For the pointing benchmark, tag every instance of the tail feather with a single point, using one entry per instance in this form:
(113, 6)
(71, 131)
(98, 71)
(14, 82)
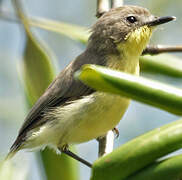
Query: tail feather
(14, 148)
(11, 153)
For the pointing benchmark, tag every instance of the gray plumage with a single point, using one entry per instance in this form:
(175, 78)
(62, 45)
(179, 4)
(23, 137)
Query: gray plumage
(109, 31)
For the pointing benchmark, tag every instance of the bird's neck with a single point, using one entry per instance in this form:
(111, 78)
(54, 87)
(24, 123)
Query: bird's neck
(127, 59)
(129, 64)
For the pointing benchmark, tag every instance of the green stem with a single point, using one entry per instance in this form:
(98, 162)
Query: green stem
(162, 64)
(168, 169)
(138, 153)
(150, 92)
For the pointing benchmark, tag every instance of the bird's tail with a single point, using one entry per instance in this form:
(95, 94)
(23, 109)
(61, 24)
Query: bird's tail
(13, 150)
(17, 145)
(11, 153)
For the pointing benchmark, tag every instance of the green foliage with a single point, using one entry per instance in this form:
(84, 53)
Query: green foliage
(162, 64)
(169, 169)
(72, 31)
(8, 171)
(135, 159)
(143, 151)
(38, 73)
(37, 69)
(138, 153)
(59, 166)
(141, 89)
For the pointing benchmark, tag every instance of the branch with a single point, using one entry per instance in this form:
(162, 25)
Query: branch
(117, 3)
(106, 143)
(158, 49)
(151, 49)
(102, 7)
(34, 21)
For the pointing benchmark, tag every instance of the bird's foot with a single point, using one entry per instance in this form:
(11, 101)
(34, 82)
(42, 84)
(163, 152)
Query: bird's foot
(64, 149)
(116, 132)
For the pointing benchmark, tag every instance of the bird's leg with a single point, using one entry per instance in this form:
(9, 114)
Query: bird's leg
(116, 131)
(65, 150)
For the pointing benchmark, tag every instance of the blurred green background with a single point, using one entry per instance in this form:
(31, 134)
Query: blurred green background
(138, 119)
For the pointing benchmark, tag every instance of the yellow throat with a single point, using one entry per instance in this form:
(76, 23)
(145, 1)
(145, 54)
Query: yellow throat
(130, 50)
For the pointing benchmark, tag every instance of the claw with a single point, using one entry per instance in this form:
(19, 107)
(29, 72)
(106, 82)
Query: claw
(116, 132)
(64, 147)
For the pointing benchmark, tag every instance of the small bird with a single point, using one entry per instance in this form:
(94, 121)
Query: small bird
(69, 112)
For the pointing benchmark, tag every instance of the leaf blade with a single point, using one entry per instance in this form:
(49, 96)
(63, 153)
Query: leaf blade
(138, 153)
(150, 92)
(168, 169)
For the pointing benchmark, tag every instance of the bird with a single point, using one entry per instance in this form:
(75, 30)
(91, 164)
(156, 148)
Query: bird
(70, 112)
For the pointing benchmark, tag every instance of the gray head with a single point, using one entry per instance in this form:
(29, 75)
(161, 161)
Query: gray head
(126, 23)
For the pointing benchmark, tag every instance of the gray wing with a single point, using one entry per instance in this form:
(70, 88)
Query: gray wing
(63, 89)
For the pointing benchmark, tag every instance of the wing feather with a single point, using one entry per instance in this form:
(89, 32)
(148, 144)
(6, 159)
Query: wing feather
(63, 89)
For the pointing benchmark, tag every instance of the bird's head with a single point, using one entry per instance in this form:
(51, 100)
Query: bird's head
(125, 27)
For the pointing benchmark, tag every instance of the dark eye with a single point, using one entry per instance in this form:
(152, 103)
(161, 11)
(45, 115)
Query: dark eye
(131, 19)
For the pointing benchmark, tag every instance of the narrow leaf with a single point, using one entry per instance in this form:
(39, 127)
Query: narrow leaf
(169, 169)
(163, 64)
(138, 153)
(38, 73)
(59, 167)
(150, 92)
(72, 31)
(8, 171)
(37, 68)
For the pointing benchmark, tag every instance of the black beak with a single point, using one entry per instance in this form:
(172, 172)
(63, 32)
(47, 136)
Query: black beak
(160, 20)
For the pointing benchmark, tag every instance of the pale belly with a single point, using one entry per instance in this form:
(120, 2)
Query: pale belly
(80, 121)
(84, 119)
(98, 113)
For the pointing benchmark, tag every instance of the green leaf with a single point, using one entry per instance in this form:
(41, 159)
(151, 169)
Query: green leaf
(163, 64)
(59, 167)
(138, 153)
(150, 92)
(75, 32)
(168, 169)
(8, 171)
(38, 73)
